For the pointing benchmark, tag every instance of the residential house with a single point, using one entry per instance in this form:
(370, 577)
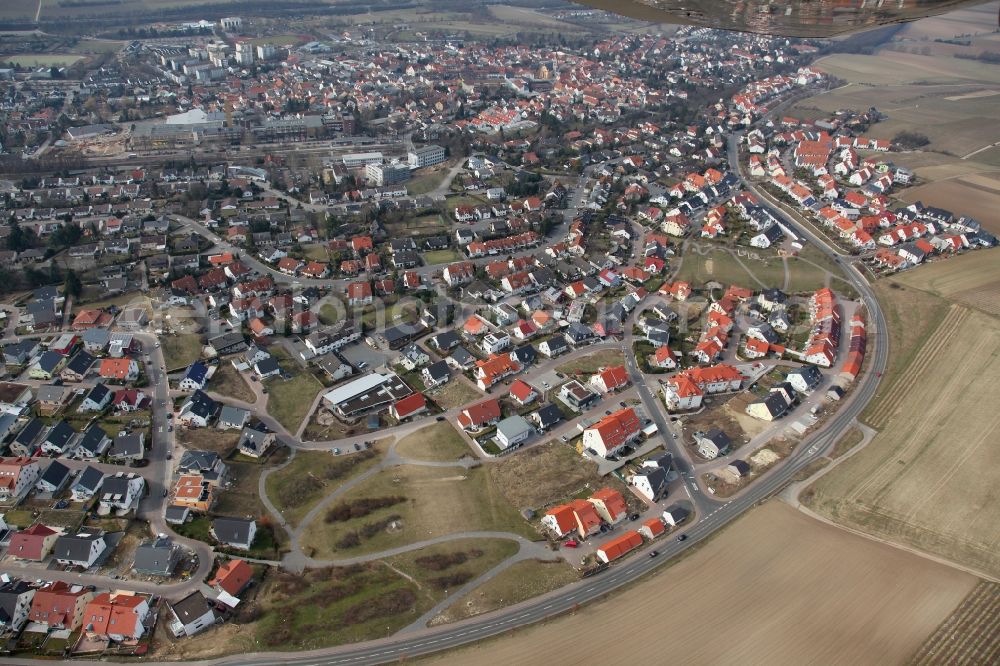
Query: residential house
(121, 492)
(87, 484)
(619, 546)
(157, 557)
(17, 477)
(610, 505)
(612, 433)
(234, 532)
(47, 366)
(92, 443)
(194, 492)
(34, 543)
(522, 393)
(232, 418)
(198, 410)
(59, 605)
(15, 604)
(513, 431)
(712, 444)
(119, 369)
(255, 442)
(411, 405)
(59, 439)
(207, 464)
(77, 368)
(54, 478)
(128, 447)
(195, 377)
(436, 374)
(547, 417)
(116, 616)
(478, 416)
(191, 615)
(82, 548)
(612, 379)
(232, 577)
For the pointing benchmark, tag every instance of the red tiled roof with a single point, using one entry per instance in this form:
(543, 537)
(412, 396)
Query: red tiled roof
(232, 576)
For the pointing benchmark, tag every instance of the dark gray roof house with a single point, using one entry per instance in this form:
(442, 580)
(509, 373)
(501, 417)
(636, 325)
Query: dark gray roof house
(525, 355)
(80, 364)
(26, 442)
(228, 343)
(548, 416)
(158, 557)
(54, 478)
(128, 446)
(176, 514)
(82, 548)
(437, 372)
(88, 483)
(59, 437)
(255, 441)
(92, 442)
(235, 532)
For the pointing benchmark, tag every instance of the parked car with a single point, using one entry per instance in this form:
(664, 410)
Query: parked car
(439, 418)
(570, 544)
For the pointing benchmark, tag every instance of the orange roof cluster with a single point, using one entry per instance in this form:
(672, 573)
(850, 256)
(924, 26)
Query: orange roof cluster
(620, 545)
(496, 368)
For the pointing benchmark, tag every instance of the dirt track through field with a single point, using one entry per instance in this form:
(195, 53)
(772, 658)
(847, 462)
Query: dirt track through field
(776, 587)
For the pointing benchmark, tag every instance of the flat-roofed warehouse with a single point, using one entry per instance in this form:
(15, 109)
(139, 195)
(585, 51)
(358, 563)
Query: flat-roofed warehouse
(366, 393)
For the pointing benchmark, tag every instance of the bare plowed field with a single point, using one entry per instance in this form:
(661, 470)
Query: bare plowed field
(777, 587)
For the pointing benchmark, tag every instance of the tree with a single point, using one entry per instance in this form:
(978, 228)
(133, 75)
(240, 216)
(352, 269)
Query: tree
(72, 286)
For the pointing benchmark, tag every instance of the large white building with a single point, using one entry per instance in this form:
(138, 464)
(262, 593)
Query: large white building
(387, 174)
(426, 156)
(366, 393)
(354, 160)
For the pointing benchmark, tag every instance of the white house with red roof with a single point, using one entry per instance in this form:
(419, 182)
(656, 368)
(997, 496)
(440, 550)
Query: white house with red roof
(522, 393)
(612, 433)
(411, 405)
(479, 415)
(610, 505)
(611, 379)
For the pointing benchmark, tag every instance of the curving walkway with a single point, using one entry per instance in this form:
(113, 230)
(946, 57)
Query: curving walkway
(296, 560)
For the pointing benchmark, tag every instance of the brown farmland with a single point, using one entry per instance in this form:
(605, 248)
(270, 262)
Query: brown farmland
(777, 587)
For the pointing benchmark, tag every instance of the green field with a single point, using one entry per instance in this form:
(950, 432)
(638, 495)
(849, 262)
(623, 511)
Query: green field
(433, 257)
(442, 568)
(41, 59)
(517, 583)
(432, 501)
(289, 401)
(438, 442)
(298, 487)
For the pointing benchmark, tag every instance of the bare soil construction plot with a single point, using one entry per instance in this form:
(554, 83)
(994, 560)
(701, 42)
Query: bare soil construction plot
(799, 591)
(927, 479)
